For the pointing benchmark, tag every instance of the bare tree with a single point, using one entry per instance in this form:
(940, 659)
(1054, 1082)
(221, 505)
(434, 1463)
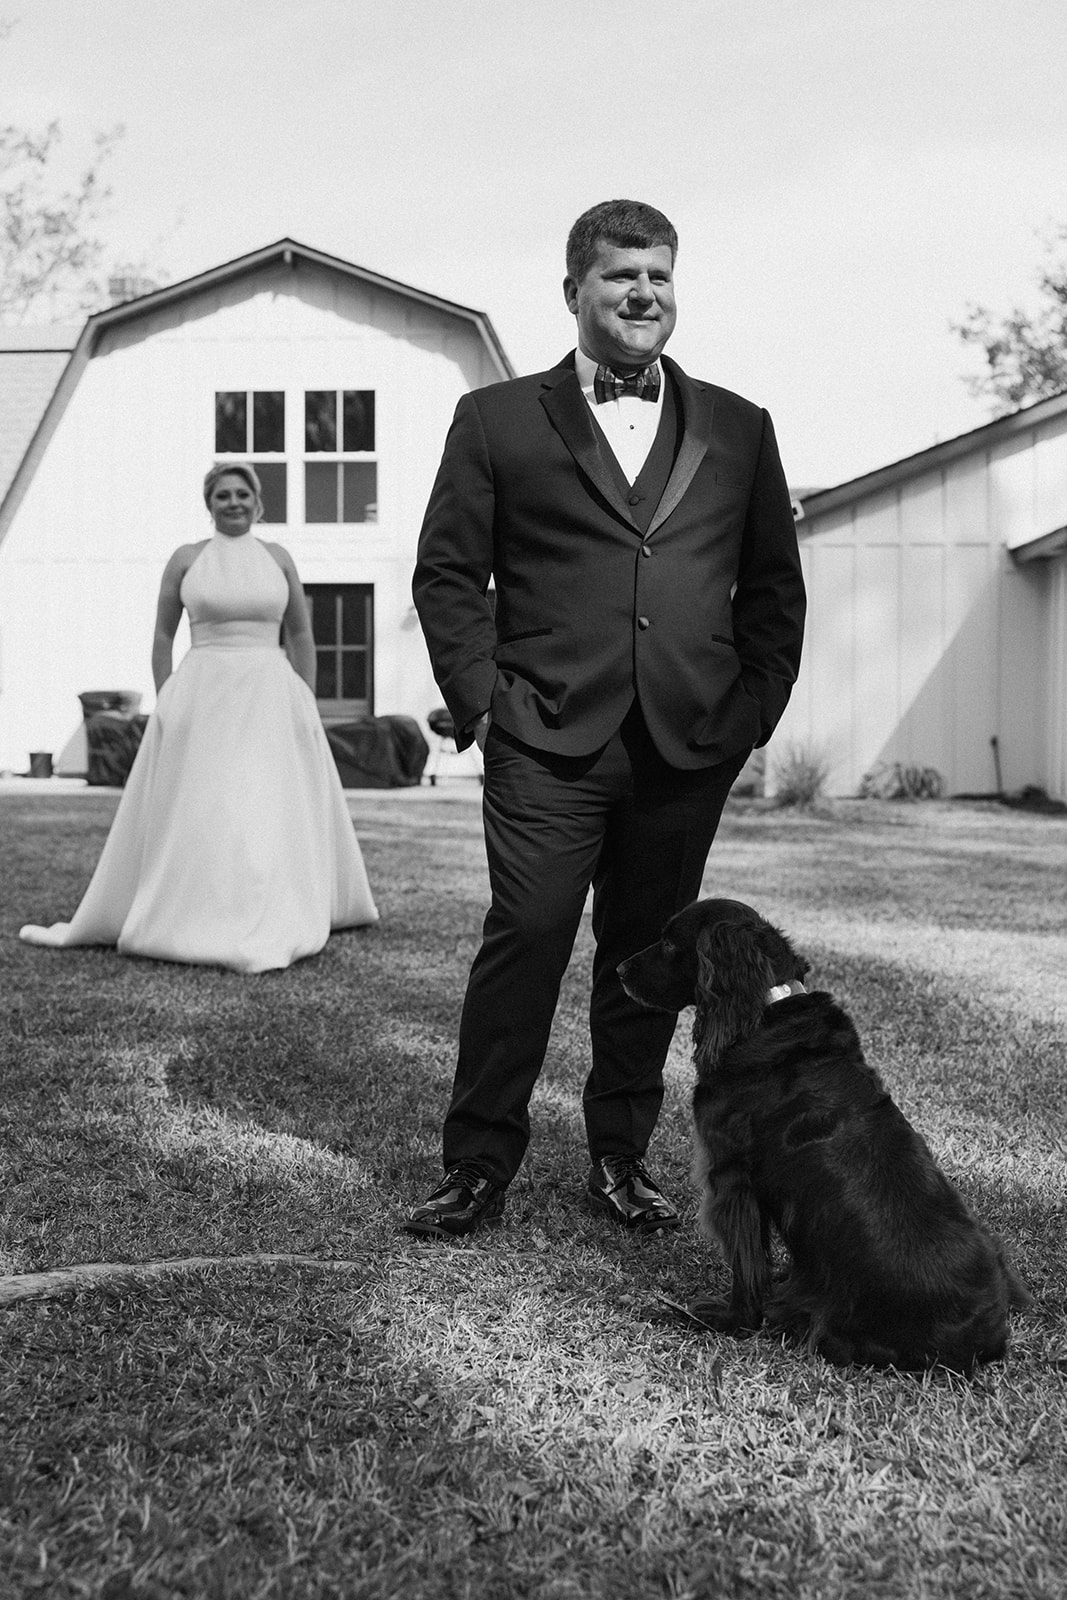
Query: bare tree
(50, 249)
(1026, 355)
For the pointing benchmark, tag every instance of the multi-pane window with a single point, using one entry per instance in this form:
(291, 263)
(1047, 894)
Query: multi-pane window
(342, 484)
(251, 424)
(342, 620)
(340, 463)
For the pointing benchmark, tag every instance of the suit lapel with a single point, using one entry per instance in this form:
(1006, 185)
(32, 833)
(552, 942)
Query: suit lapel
(698, 405)
(568, 413)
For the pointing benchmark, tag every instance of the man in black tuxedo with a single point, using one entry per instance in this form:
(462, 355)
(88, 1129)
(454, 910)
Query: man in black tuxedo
(637, 528)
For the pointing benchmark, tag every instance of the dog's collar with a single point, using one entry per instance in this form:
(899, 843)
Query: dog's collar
(782, 991)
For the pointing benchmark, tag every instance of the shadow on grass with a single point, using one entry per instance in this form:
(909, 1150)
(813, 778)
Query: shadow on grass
(310, 1447)
(505, 1416)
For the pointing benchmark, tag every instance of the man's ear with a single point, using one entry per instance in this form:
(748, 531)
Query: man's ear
(570, 295)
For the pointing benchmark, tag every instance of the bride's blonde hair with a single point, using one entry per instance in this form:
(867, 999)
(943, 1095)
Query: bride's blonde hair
(242, 469)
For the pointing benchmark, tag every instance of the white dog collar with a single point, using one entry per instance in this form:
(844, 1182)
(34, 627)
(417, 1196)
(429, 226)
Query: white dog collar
(782, 991)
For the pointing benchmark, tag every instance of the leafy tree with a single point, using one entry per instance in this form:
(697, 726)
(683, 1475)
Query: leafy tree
(1026, 355)
(50, 249)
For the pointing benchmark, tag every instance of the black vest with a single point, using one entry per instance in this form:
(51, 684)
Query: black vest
(645, 493)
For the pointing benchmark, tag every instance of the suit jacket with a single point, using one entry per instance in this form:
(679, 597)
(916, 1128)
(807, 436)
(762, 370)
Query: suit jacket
(702, 615)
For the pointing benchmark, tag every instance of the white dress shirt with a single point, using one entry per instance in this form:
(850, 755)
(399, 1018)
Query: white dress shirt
(629, 423)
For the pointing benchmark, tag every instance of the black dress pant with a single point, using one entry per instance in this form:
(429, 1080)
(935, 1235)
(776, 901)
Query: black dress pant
(639, 831)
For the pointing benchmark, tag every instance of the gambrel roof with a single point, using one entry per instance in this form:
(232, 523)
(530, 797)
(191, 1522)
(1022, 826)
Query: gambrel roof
(31, 363)
(41, 368)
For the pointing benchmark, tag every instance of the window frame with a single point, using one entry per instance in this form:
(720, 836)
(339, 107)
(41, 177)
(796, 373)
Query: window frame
(258, 458)
(339, 458)
(339, 709)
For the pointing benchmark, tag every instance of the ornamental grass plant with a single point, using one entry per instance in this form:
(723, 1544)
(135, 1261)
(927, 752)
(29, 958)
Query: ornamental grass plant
(267, 1392)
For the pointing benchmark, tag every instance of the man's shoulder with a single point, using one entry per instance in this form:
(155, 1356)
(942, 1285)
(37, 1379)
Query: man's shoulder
(715, 391)
(518, 391)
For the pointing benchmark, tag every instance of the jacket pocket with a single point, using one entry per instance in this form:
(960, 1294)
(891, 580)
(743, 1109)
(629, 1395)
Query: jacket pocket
(527, 633)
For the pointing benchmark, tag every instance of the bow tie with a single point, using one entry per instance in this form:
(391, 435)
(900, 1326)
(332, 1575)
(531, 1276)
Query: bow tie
(609, 385)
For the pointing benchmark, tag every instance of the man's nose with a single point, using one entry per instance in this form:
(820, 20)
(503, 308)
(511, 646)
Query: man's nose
(641, 290)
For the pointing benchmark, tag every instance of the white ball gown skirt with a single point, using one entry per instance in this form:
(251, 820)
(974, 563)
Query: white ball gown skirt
(232, 844)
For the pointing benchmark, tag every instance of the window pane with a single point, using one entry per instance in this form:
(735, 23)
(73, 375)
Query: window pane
(326, 679)
(354, 675)
(353, 616)
(275, 498)
(231, 422)
(268, 419)
(320, 491)
(361, 491)
(320, 420)
(323, 606)
(358, 410)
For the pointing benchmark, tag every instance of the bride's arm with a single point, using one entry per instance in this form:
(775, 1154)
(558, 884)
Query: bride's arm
(168, 616)
(296, 624)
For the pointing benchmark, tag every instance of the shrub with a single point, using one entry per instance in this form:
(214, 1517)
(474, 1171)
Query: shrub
(892, 780)
(800, 775)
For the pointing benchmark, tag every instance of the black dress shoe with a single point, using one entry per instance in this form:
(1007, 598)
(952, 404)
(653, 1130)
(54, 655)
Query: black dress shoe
(621, 1188)
(464, 1200)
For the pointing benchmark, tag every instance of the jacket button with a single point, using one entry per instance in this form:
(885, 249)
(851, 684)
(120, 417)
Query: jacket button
(645, 551)
(635, 499)
(643, 622)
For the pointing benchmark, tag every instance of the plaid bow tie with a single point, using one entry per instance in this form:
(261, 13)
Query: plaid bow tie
(609, 385)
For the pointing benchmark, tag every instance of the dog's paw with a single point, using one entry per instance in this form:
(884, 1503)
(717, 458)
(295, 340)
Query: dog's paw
(714, 1313)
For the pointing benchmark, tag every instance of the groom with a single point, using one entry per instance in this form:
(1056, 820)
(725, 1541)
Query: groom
(636, 527)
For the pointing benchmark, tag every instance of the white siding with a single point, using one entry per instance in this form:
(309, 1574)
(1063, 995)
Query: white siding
(119, 485)
(925, 641)
(1056, 770)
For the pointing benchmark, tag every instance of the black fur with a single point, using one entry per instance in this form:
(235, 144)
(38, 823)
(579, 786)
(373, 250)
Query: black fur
(795, 1131)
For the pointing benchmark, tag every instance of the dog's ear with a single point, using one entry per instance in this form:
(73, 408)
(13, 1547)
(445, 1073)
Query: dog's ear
(733, 976)
(786, 962)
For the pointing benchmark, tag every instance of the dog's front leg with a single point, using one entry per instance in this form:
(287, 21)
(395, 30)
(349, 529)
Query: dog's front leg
(732, 1214)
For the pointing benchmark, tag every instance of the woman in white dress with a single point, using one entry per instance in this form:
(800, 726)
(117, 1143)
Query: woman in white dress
(232, 844)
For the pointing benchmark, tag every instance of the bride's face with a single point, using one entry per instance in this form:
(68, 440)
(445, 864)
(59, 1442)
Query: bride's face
(232, 504)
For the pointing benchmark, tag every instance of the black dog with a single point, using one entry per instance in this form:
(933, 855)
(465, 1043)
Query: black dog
(794, 1129)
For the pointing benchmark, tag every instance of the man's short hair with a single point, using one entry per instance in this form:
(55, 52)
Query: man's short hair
(630, 224)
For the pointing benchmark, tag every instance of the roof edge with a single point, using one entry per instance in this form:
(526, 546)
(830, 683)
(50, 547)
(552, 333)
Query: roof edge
(1040, 548)
(940, 454)
(288, 251)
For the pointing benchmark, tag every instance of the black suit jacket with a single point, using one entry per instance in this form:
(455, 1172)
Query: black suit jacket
(702, 615)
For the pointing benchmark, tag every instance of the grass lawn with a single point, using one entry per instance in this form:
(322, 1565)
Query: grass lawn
(519, 1415)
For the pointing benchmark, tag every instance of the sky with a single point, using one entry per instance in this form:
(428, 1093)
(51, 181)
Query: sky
(846, 176)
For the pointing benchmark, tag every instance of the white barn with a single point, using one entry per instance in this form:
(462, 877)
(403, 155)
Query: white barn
(338, 383)
(937, 615)
(937, 584)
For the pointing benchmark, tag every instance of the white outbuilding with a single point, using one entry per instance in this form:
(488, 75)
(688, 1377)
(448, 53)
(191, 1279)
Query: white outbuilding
(937, 631)
(338, 383)
(937, 621)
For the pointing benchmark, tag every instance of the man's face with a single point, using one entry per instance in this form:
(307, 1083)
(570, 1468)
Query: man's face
(624, 305)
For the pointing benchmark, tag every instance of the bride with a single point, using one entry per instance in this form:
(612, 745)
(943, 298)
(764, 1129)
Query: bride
(232, 843)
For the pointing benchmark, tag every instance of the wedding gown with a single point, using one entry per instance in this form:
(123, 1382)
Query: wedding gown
(232, 844)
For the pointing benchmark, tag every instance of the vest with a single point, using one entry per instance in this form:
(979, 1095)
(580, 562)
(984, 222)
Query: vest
(645, 493)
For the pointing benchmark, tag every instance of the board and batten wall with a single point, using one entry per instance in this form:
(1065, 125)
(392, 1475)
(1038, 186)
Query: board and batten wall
(119, 486)
(925, 638)
(1057, 758)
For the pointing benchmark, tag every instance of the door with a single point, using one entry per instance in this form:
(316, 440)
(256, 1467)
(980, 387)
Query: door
(342, 620)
